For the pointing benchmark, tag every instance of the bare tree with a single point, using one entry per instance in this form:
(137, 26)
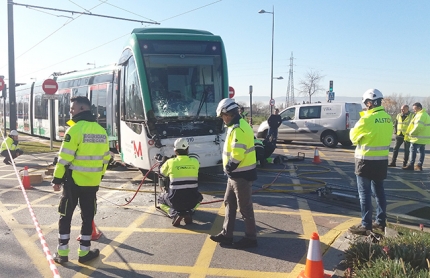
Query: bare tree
(390, 105)
(394, 102)
(310, 85)
(426, 104)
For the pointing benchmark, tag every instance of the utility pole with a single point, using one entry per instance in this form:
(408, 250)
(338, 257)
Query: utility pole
(289, 100)
(11, 57)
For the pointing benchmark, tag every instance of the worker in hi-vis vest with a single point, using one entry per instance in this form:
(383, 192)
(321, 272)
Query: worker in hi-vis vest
(82, 162)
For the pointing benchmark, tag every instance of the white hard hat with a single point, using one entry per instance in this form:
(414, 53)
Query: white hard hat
(181, 144)
(372, 94)
(13, 133)
(225, 105)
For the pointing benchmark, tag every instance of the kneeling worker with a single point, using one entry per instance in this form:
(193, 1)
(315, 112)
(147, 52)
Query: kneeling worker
(11, 143)
(183, 195)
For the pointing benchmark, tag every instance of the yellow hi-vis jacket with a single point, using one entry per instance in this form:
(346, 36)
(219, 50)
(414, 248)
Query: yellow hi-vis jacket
(85, 150)
(8, 143)
(418, 131)
(372, 135)
(402, 125)
(239, 159)
(183, 171)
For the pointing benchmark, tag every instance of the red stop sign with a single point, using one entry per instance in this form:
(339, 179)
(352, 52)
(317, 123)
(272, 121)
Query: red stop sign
(1, 83)
(230, 92)
(50, 86)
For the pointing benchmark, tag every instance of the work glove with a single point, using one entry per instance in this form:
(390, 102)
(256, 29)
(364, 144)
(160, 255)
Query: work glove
(20, 152)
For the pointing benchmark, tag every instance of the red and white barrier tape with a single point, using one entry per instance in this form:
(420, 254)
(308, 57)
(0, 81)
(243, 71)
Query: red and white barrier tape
(48, 255)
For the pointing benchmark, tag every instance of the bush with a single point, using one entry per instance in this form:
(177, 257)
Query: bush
(407, 255)
(258, 120)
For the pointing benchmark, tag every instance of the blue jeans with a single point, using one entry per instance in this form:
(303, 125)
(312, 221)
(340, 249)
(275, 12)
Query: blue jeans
(413, 150)
(365, 189)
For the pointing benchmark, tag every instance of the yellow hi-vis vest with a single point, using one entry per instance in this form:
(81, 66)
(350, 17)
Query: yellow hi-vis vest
(418, 131)
(402, 125)
(183, 171)
(239, 147)
(372, 134)
(85, 150)
(8, 143)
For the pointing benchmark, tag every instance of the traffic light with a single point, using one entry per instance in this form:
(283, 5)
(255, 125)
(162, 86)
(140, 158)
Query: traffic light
(331, 85)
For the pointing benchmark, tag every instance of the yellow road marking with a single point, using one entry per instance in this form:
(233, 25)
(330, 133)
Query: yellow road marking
(118, 240)
(414, 187)
(23, 206)
(207, 251)
(400, 204)
(28, 245)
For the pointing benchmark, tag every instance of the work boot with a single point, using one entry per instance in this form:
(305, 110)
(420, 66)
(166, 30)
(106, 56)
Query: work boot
(188, 219)
(60, 259)
(359, 230)
(245, 243)
(90, 256)
(177, 220)
(409, 167)
(418, 167)
(222, 239)
(378, 226)
(392, 164)
(7, 162)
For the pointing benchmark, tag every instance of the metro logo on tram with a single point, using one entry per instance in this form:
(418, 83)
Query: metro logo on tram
(137, 150)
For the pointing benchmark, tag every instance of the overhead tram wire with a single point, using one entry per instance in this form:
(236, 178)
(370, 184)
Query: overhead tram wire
(119, 8)
(82, 53)
(44, 39)
(201, 7)
(126, 34)
(80, 14)
(86, 13)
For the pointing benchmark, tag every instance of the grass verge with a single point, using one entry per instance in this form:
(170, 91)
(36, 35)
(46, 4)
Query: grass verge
(36, 147)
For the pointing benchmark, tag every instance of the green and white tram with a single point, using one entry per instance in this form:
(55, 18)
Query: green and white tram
(170, 82)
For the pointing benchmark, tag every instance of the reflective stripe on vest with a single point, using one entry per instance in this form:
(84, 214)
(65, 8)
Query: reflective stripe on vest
(242, 151)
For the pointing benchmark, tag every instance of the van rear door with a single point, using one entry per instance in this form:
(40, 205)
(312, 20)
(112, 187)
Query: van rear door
(353, 109)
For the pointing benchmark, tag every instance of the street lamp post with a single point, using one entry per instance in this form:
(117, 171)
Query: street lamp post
(273, 38)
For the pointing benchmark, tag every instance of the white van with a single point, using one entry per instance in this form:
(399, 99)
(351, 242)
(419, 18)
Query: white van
(328, 123)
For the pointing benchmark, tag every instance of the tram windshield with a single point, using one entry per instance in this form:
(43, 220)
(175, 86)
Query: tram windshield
(185, 78)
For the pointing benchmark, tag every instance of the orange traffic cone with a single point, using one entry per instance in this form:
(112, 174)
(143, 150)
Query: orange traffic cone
(26, 179)
(95, 235)
(316, 157)
(314, 265)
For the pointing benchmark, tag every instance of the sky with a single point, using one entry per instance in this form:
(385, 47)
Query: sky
(358, 44)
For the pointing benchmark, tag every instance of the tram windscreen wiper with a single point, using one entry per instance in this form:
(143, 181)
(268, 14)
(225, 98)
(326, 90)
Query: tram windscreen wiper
(204, 96)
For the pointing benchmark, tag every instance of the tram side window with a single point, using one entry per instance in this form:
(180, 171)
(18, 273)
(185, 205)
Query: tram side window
(26, 110)
(132, 93)
(20, 108)
(40, 107)
(98, 104)
(64, 109)
(80, 91)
